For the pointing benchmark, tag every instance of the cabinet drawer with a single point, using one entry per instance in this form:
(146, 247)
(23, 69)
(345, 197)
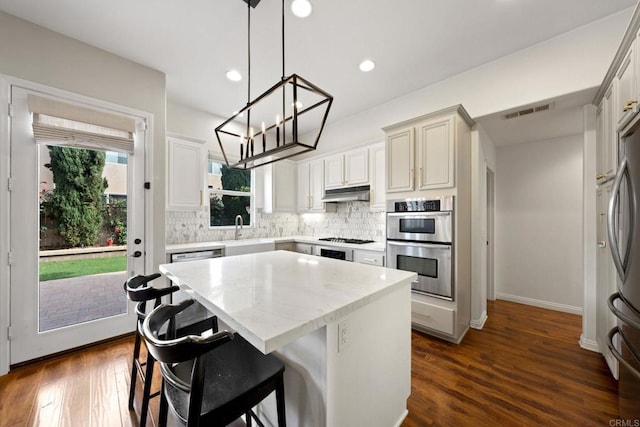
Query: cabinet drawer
(433, 317)
(304, 248)
(371, 258)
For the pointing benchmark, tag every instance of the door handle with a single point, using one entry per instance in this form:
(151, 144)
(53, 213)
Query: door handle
(620, 263)
(617, 354)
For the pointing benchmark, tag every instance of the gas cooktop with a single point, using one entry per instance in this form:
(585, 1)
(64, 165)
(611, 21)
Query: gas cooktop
(341, 240)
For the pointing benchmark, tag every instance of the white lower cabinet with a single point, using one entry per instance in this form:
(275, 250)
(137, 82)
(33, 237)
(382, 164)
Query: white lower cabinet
(367, 257)
(304, 248)
(441, 319)
(286, 246)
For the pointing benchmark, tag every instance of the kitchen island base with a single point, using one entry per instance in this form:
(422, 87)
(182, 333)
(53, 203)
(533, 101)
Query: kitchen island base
(361, 379)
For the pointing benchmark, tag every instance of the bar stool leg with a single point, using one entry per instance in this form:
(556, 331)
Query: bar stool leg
(282, 418)
(164, 407)
(134, 370)
(146, 393)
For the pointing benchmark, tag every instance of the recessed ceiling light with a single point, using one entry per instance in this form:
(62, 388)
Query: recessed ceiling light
(234, 75)
(301, 8)
(367, 65)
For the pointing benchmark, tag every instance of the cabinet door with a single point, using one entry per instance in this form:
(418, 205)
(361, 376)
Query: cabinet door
(334, 171)
(316, 185)
(626, 97)
(284, 190)
(436, 142)
(600, 141)
(400, 160)
(185, 175)
(605, 277)
(378, 192)
(356, 167)
(303, 187)
(610, 134)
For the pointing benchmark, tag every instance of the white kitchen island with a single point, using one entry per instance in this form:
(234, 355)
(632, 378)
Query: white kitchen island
(343, 330)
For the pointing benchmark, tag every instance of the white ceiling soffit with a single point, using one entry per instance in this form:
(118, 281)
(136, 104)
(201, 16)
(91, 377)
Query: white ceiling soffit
(562, 117)
(414, 43)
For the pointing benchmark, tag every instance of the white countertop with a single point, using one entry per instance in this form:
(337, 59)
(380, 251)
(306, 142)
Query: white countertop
(273, 298)
(200, 246)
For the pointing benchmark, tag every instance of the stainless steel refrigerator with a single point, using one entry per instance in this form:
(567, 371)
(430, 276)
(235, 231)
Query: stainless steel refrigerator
(624, 241)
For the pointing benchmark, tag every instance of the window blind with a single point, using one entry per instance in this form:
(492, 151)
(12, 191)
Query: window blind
(59, 123)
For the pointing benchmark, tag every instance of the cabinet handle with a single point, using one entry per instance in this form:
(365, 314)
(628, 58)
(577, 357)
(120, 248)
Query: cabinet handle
(411, 175)
(629, 105)
(602, 244)
(601, 175)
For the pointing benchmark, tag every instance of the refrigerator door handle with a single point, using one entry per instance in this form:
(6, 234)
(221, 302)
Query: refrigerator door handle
(618, 313)
(617, 354)
(620, 263)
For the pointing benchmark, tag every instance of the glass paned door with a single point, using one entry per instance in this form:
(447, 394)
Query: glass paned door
(81, 265)
(71, 226)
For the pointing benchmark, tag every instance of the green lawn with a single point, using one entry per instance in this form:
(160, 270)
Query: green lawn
(81, 267)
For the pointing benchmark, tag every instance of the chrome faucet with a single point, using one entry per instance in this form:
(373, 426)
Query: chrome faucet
(239, 222)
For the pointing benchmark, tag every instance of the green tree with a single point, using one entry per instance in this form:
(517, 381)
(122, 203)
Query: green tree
(236, 180)
(76, 202)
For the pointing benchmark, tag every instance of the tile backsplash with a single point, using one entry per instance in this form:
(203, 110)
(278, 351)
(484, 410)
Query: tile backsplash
(351, 220)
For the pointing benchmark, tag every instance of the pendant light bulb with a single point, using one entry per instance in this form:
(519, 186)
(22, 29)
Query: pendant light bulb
(301, 8)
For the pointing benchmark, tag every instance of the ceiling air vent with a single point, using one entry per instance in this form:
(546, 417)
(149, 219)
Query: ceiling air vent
(527, 111)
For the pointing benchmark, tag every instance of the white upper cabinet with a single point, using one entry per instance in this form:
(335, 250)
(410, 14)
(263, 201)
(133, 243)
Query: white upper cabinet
(400, 160)
(606, 137)
(311, 187)
(436, 149)
(185, 184)
(626, 99)
(348, 169)
(378, 188)
(432, 167)
(334, 171)
(279, 186)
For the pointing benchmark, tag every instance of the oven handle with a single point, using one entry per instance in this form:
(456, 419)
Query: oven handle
(444, 246)
(410, 214)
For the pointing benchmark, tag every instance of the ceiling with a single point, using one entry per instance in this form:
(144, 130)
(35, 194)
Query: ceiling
(413, 42)
(564, 117)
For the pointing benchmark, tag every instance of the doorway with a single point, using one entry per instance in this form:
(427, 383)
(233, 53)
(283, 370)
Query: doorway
(71, 248)
(491, 291)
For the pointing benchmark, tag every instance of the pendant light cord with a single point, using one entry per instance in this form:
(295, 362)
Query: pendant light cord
(248, 71)
(282, 39)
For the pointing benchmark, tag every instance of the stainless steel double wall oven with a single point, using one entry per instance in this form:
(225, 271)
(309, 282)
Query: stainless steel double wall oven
(420, 239)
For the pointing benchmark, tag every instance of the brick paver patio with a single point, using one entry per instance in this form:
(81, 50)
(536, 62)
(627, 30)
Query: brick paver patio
(65, 302)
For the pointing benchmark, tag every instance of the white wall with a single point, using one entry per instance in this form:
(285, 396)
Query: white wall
(483, 157)
(539, 223)
(35, 54)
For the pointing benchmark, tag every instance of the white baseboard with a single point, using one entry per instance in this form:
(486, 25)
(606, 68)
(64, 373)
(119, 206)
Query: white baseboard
(479, 324)
(588, 344)
(540, 303)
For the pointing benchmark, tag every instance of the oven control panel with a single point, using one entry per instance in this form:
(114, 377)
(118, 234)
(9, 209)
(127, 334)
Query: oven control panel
(435, 204)
(417, 206)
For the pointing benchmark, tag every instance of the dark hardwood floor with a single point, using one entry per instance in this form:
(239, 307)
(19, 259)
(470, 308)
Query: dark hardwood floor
(524, 368)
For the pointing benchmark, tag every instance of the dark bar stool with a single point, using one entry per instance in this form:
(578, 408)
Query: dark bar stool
(138, 290)
(211, 381)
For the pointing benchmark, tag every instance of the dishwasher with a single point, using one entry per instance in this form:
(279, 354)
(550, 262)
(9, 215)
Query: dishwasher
(196, 312)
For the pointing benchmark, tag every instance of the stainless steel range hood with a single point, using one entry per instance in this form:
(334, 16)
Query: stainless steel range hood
(349, 194)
